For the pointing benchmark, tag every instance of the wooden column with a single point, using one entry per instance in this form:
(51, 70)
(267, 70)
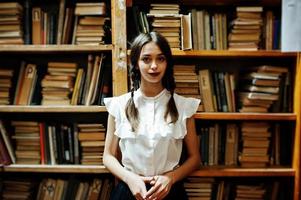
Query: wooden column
(119, 40)
(297, 110)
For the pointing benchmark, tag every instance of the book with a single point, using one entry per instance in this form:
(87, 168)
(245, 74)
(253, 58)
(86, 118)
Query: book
(7, 142)
(27, 84)
(206, 85)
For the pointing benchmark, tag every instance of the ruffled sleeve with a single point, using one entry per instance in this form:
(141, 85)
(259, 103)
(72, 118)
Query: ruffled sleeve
(113, 107)
(190, 107)
(187, 106)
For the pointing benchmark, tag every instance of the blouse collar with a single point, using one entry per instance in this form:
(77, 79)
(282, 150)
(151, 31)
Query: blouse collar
(140, 94)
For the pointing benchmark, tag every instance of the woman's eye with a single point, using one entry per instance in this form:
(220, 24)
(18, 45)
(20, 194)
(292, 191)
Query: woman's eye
(161, 59)
(146, 59)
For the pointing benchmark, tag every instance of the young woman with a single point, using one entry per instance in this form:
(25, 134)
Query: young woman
(150, 124)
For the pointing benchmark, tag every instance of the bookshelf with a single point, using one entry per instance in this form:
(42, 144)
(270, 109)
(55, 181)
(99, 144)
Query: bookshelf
(118, 53)
(235, 61)
(12, 54)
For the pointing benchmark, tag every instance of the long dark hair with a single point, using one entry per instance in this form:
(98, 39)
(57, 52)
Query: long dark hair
(168, 80)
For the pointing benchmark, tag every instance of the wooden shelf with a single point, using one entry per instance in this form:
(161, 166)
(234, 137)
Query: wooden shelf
(67, 48)
(52, 109)
(236, 54)
(56, 168)
(209, 3)
(238, 172)
(245, 116)
(204, 172)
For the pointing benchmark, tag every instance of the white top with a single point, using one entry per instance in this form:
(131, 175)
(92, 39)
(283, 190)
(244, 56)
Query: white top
(156, 146)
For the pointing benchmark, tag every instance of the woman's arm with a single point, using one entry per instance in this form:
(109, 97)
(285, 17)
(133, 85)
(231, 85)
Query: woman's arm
(110, 152)
(135, 182)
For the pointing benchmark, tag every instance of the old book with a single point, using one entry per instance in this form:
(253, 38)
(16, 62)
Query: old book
(231, 149)
(4, 155)
(90, 9)
(67, 27)
(95, 189)
(186, 36)
(253, 88)
(7, 142)
(253, 109)
(260, 96)
(36, 25)
(60, 23)
(19, 82)
(76, 89)
(91, 136)
(256, 143)
(206, 85)
(272, 69)
(92, 143)
(27, 84)
(231, 106)
(94, 80)
(249, 8)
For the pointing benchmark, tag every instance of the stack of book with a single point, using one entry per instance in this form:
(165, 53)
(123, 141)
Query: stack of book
(256, 138)
(91, 138)
(11, 29)
(254, 192)
(5, 85)
(199, 188)
(58, 83)
(246, 29)
(261, 88)
(27, 139)
(18, 189)
(167, 21)
(187, 82)
(89, 23)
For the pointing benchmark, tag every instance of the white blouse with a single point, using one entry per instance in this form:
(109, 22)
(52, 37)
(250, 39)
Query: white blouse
(156, 146)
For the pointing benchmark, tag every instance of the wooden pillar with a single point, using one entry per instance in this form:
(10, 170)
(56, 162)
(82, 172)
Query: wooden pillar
(119, 40)
(297, 110)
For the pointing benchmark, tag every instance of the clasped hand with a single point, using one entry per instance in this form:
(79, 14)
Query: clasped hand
(160, 186)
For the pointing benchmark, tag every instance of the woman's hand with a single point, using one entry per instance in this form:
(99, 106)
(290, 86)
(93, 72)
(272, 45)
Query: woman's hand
(137, 186)
(161, 186)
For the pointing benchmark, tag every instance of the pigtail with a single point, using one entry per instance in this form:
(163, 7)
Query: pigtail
(171, 110)
(169, 83)
(131, 111)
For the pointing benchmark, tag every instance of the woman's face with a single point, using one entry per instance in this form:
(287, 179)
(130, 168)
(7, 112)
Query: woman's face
(152, 64)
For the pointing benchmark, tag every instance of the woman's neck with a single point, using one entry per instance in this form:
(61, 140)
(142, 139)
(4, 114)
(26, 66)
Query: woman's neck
(151, 90)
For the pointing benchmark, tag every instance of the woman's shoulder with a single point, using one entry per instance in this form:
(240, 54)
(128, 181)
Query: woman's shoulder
(118, 101)
(179, 99)
(187, 106)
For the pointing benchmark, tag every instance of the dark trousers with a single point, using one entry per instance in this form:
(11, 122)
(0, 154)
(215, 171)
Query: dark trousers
(123, 192)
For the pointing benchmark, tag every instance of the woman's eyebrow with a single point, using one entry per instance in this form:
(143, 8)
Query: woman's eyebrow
(149, 54)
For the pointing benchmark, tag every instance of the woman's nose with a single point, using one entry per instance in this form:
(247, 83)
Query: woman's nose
(154, 65)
